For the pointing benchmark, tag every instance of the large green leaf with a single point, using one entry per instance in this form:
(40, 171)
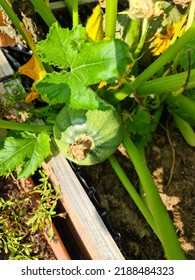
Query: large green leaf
(24, 155)
(84, 65)
(96, 62)
(61, 45)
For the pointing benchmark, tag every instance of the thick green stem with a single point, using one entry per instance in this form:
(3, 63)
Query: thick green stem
(167, 84)
(25, 127)
(132, 192)
(157, 64)
(47, 3)
(164, 226)
(143, 37)
(191, 14)
(68, 3)
(156, 119)
(153, 126)
(75, 15)
(182, 106)
(111, 16)
(44, 11)
(186, 130)
(131, 33)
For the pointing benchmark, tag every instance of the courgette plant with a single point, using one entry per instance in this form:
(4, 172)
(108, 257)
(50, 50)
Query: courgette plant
(110, 91)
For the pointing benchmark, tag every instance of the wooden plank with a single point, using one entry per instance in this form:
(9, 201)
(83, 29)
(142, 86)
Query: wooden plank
(87, 223)
(5, 69)
(8, 83)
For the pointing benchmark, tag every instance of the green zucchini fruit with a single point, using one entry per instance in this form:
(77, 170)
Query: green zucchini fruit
(87, 137)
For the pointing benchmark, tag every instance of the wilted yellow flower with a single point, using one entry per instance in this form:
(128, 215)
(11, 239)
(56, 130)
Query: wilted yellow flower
(161, 42)
(31, 96)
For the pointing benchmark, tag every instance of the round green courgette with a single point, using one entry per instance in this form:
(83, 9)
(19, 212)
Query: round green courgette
(87, 137)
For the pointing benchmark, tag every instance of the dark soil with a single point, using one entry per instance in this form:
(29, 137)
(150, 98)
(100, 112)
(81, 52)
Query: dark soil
(168, 151)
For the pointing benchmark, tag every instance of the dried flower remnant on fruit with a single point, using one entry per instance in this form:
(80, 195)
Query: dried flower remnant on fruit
(80, 148)
(140, 9)
(183, 3)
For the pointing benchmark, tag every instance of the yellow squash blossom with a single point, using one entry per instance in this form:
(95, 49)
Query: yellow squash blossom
(94, 26)
(33, 68)
(161, 42)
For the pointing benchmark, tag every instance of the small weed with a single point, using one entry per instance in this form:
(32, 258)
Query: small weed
(42, 215)
(16, 224)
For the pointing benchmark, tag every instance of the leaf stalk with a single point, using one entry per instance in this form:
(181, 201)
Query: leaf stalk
(163, 224)
(25, 127)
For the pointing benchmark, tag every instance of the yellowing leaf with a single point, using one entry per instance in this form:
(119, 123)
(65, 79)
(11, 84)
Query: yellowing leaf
(94, 26)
